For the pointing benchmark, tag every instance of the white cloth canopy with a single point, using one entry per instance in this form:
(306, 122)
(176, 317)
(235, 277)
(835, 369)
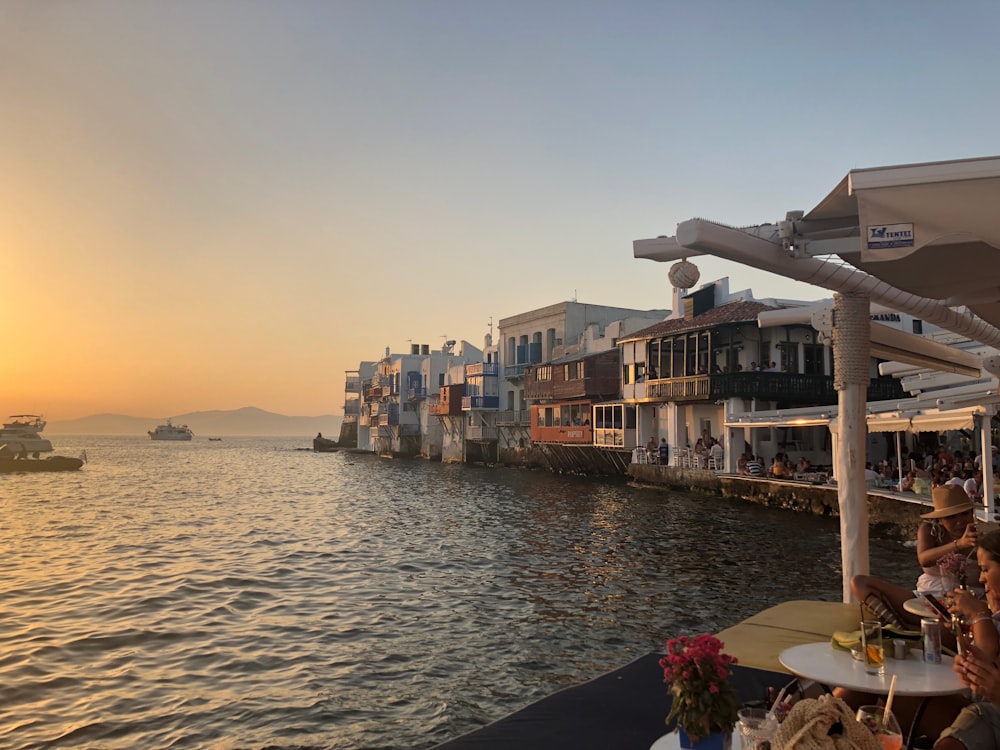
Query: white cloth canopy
(928, 229)
(930, 420)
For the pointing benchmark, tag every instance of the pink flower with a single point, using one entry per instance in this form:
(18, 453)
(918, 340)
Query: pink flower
(695, 667)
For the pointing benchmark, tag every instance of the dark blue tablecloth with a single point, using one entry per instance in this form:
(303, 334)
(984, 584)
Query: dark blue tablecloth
(621, 710)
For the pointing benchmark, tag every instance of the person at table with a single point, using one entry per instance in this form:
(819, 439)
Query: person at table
(938, 714)
(701, 452)
(978, 724)
(755, 467)
(950, 527)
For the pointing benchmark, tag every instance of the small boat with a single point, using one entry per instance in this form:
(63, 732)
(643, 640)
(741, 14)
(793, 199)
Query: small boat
(170, 431)
(215, 439)
(12, 464)
(324, 445)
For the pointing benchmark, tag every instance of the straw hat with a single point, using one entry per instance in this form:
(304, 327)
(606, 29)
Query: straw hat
(949, 500)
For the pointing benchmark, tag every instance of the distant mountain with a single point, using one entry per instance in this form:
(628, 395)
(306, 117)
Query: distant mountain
(246, 421)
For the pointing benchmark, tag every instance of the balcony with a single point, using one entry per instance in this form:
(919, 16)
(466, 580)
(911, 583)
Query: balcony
(470, 403)
(784, 387)
(514, 417)
(603, 386)
(482, 368)
(352, 386)
(416, 394)
(481, 433)
(515, 371)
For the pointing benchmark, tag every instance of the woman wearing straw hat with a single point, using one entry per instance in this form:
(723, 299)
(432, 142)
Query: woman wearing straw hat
(949, 529)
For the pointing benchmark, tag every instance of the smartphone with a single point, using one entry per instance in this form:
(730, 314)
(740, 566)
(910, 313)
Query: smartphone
(938, 606)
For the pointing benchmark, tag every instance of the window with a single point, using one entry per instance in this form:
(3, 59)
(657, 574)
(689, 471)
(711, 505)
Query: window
(543, 373)
(789, 356)
(812, 359)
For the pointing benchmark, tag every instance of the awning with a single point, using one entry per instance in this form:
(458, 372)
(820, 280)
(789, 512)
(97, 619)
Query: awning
(930, 420)
(879, 423)
(957, 419)
(928, 229)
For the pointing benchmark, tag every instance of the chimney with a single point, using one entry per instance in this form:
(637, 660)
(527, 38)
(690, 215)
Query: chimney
(425, 349)
(414, 348)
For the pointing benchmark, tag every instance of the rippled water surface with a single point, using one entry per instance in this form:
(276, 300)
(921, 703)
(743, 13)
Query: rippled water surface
(250, 594)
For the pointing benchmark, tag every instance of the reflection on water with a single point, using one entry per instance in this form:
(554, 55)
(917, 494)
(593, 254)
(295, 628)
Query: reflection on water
(246, 594)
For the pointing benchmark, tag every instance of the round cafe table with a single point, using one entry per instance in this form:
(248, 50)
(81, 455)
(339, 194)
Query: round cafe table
(835, 667)
(672, 741)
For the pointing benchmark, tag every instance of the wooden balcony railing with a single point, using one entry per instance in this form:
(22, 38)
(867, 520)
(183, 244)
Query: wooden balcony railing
(769, 386)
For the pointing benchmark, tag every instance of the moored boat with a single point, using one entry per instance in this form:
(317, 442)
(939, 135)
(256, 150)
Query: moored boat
(324, 445)
(170, 431)
(21, 433)
(9, 465)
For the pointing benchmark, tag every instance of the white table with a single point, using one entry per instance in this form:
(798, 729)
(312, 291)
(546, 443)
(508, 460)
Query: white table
(838, 668)
(672, 741)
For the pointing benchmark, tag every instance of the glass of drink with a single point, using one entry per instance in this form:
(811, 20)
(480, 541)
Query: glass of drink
(757, 728)
(871, 646)
(883, 725)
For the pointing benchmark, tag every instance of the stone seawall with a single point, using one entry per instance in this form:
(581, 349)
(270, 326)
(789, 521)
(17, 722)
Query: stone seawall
(889, 516)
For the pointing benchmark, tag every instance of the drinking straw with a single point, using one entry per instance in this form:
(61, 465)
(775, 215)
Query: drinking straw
(888, 700)
(777, 701)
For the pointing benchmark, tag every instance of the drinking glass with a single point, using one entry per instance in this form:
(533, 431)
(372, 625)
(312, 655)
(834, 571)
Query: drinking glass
(884, 726)
(871, 646)
(757, 728)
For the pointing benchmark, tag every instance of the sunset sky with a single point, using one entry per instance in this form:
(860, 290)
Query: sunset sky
(210, 204)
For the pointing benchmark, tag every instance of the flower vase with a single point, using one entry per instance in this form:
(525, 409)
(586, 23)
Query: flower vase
(714, 741)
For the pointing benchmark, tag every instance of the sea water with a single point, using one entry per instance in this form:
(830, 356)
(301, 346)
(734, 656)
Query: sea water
(247, 593)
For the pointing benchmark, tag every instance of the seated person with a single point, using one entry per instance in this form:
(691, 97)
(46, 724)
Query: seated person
(741, 464)
(957, 724)
(716, 451)
(755, 467)
(906, 485)
(950, 527)
(978, 724)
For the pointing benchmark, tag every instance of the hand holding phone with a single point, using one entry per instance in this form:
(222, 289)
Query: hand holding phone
(938, 606)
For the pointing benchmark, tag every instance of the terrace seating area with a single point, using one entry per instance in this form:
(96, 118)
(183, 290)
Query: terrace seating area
(626, 708)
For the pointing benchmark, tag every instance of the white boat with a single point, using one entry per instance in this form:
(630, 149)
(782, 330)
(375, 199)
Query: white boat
(21, 433)
(170, 431)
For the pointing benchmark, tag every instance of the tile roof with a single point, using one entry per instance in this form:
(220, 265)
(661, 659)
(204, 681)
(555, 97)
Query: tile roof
(744, 311)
